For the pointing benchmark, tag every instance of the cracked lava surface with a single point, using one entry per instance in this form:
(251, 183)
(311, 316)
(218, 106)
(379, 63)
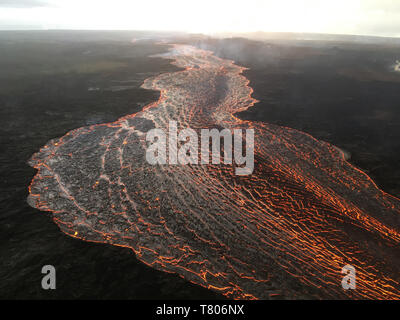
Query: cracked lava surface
(285, 231)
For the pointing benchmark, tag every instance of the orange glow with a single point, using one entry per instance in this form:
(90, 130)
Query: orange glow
(287, 230)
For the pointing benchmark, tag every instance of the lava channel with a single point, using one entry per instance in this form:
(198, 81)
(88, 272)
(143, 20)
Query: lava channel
(287, 230)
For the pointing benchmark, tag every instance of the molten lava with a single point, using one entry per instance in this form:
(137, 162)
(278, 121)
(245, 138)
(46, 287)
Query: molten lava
(287, 229)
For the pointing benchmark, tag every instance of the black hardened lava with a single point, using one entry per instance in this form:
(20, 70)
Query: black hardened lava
(287, 229)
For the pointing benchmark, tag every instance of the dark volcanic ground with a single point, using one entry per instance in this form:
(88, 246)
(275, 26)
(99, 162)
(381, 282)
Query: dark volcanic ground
(52, 83)
(343, 93)
(44, 94)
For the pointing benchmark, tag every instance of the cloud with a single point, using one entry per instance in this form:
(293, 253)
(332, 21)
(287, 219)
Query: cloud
(367, 17)
(23, 3)
(384, 5)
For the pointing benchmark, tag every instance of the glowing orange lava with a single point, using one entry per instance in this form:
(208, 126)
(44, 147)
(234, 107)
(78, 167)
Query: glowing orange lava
(287, 229)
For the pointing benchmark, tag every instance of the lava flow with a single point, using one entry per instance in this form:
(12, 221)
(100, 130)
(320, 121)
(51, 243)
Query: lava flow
(287, 230)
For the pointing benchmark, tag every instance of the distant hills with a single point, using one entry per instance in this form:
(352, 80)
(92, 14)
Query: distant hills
(260, 35)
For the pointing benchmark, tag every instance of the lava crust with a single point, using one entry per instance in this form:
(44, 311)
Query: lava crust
(286, 230)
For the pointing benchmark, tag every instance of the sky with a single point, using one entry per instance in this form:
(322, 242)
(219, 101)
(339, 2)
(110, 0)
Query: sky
(361, 17)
